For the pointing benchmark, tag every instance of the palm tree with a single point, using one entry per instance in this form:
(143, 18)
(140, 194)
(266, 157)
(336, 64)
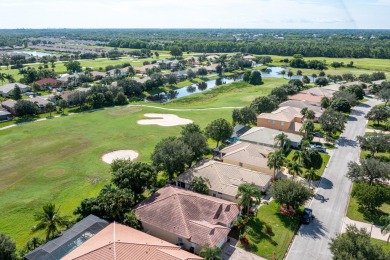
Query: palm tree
(283, 141)
(210, 253)
(49, 220)
(307, 129)
(248, 193)
(2, 78)
(276, 160)
(294, 168)
(310, 175)
(283, 72)
(298, 156)
(10, 78)
(50, 108)
(385, 229)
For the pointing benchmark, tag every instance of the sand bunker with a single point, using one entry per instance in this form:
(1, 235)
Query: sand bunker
(119, 154)
(164, 120)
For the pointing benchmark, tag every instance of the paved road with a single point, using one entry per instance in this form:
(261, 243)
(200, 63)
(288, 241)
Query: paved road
(331, 200)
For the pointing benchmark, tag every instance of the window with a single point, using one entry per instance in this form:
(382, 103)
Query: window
(180, 241)
(214, 195)
(273, 122)
(282, 123)
(240, 164)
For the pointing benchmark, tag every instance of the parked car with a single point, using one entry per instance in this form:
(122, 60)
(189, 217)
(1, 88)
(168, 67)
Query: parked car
(318, 147)
(307, 216)
(318, 134)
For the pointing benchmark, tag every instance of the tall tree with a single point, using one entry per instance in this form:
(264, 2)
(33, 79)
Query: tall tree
(375, 143)
(276, 160)
(17, 93)
(248, 194)
(7, 248)
(307, 129)
(355, 244)
(332, 121)
(136, 176)
(263, 104)
(198, 145)
(255, 78)
(176, 51)
(290, 192)
(294, 168)
(73, 66)
(310, 175)
(325, 102)
(282, 141)
(378, 114)
(370, 197)
(370, 170)
(171, 155)
(49, 220)
(219, 130)
(50, 107)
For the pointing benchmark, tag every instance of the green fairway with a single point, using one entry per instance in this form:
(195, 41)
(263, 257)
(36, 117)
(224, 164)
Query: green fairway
(59, 160)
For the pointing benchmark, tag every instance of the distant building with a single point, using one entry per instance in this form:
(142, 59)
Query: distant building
(286, 119)
(306, 97)
(8, 90)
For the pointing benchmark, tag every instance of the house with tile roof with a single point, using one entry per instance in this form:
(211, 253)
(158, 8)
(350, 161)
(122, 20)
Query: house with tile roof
(224, 178)
(121, 242)
(315, 107)
(266, 136)
(47, 82)
(248, 155)
(188, 219)
(8, 89)
(286, 119)
(306, 97)
(319, 91)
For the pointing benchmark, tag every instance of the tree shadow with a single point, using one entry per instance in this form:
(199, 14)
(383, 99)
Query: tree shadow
(372, 216)
(326, 184)
(26, 119)
(258, 234)
(351, 118)
(363, 105)
(320, 198)
(356, 113)
(314, 230)
(344, 142)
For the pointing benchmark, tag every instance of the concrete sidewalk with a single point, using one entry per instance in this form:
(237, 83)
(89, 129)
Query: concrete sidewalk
(375, 233)
(368, 130)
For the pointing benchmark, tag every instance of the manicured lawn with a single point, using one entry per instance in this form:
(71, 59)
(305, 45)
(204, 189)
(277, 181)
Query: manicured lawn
(355, 213)
(58, 160)
(283, 229)
(325, 159)
(385, 246)
(235, 94)
(373, 125)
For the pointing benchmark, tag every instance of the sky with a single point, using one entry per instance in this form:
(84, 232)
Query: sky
(262, 14)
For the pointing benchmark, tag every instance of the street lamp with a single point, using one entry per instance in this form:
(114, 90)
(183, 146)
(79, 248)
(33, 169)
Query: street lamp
(372, 224)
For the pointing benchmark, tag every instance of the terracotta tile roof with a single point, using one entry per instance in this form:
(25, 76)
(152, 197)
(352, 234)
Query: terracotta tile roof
(306, 97)
(266, 136)
(247, 153)
(225, 178)
(301, 104)
(284, 114)
(179, 211)
(333, 87)
(319, 91)
(46, 81)
(9, 103)
(121, 242)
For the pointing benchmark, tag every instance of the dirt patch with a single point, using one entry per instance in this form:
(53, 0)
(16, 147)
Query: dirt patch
(119, 154)
(164, 120)
(54, 173)
(124, 111)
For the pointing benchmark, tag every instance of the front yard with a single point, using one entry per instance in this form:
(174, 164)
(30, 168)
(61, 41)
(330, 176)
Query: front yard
(277, 242)
(325, 158)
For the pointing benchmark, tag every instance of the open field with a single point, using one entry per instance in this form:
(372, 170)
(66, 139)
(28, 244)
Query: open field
(283, 230)
(59, 160)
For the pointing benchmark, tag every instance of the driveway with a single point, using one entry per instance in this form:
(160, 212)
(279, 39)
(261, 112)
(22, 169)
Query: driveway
(331, 200)
(231, 252)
